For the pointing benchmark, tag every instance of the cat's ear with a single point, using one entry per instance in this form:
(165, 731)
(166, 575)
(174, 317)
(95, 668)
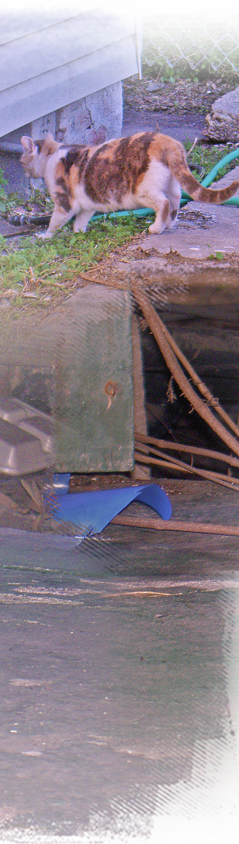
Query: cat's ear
(28, 144)
(50, 145)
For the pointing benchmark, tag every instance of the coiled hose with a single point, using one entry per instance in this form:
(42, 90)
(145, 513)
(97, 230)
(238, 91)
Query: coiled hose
(212, 175)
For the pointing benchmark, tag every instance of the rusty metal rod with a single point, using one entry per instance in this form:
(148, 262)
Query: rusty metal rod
(211, 474)
(155, 325)
(203, 389)
(179, 466)
(187, 527)
(188, 449)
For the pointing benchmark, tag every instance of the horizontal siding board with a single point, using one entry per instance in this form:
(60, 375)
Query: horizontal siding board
(45, 93)
(62, 52)
(16, 25)
(43, 51)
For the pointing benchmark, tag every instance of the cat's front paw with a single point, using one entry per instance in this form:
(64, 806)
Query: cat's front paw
(44, 235)
(154, 229)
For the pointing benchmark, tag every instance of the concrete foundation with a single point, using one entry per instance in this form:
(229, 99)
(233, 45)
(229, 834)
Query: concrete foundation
(92, 120)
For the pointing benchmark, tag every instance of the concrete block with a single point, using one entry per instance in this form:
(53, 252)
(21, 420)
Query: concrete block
(45, 124)
(91, 120)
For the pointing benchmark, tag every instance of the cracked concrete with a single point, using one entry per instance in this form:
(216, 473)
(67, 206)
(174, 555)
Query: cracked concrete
(119, 681)
(199, 239)
(201, 230)
(93, 119)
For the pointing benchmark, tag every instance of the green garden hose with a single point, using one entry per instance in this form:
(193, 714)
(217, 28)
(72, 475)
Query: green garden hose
(212, 175)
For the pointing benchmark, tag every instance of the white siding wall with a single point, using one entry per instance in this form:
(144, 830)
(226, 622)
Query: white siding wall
(54, 57)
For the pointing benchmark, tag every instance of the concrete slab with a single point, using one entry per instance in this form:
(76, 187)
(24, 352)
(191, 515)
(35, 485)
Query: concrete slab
(118, 694)
(214, 231)
(201, 230)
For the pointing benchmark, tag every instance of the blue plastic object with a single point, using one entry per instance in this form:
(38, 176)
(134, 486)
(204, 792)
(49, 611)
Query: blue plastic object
(92, 511)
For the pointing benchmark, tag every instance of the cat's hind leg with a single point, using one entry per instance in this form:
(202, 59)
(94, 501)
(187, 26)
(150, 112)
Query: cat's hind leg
(81, 221)
(161, 206)
(166, 215)
(160, 191)
(172, 217)
(174, 199)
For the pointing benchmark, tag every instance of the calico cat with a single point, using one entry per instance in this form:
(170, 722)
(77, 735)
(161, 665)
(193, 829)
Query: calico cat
(144, 170)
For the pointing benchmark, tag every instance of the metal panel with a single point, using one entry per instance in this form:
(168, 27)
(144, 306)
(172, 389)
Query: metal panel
(31, 19)
(60, 53)
(48, 92)
(94, 385)
(75, 364)
(58, 45)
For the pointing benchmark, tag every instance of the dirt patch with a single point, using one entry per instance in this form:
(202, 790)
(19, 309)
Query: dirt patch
(179, 97)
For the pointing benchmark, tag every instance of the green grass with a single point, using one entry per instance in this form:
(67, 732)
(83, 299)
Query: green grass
(50, 265)
(207, 157)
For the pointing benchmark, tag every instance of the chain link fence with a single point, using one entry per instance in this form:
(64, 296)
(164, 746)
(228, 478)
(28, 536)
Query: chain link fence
(183, 42)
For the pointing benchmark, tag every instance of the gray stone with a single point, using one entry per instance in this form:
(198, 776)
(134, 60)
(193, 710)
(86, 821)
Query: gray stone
(223, 121)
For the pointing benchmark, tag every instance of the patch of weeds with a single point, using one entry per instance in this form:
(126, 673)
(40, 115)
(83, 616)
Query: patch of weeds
(7, 200)
(55, 265)
(207, 157)
(219, 256)
(41, 200)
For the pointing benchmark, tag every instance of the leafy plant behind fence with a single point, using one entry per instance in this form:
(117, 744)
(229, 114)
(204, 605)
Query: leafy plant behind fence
(206, 44)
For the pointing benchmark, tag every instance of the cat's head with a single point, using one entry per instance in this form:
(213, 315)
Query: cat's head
(35, 155)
